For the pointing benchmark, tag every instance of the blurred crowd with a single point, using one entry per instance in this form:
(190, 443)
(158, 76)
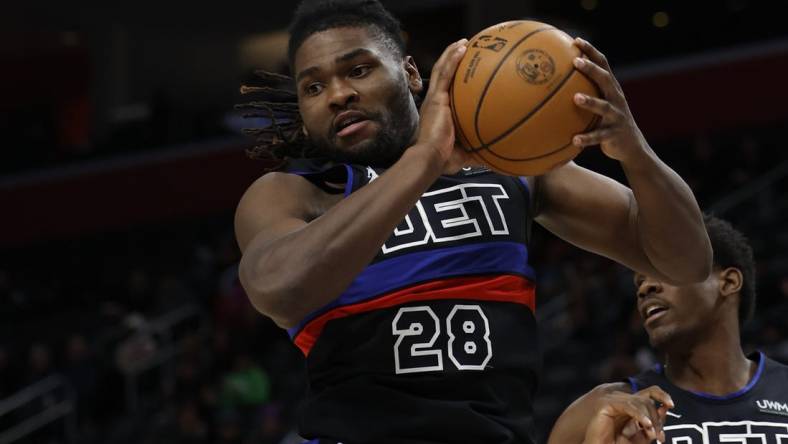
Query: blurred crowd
(154, 340)
(99, 319)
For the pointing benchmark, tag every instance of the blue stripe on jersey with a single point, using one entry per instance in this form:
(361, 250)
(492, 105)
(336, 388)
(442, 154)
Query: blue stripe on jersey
(349, 181)
(757, 376)
(524, 181)
(423, 266)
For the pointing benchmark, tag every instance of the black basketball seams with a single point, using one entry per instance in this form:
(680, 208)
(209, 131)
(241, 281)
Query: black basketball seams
(591, 124)
(490, 80)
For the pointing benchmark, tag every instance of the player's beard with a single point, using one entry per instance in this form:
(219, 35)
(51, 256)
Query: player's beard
(398, 125)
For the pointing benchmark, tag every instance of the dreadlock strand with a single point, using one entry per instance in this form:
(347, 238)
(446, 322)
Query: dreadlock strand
(248, 89)
(268, 75)
(291, 108)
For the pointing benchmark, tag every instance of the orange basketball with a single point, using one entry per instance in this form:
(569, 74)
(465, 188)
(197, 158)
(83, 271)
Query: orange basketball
(512, 98)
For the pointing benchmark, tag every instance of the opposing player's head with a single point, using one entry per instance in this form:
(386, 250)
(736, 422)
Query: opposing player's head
(687, 314)
(355, 84)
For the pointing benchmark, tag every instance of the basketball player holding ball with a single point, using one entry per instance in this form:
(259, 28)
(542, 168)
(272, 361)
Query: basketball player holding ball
(402, 276)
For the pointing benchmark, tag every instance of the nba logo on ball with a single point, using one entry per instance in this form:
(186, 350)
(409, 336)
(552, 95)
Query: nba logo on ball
(494, 44)
(512, 102)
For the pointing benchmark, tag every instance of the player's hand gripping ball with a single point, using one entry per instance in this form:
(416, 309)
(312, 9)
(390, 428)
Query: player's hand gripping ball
(513, 98)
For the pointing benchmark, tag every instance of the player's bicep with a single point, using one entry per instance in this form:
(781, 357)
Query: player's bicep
(593, 212)
(271, 208)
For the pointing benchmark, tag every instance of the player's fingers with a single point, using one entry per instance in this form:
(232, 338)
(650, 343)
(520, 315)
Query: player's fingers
(632, 433)
(638, 412)
(630, 429)
(444, 68)
(622, 408)
(442, 59)
(601, 107)
(657, 402)
(593, 138)
(657, 394)
(592, 53)
(603, 78)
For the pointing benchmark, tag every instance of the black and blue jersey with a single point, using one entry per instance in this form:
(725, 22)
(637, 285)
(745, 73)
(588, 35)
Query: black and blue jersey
(435, 341)
(756, 414)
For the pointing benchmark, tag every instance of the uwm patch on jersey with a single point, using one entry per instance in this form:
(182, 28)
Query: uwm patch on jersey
(435, 340)
(756, 414)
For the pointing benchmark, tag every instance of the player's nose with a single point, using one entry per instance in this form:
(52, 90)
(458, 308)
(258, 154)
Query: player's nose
(649, 286)
(340, 94)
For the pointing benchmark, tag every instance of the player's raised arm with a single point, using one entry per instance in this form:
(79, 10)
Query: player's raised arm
(656, 225)
(300, 248)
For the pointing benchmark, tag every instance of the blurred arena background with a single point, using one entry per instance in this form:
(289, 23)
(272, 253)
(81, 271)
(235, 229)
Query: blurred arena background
(121, 317)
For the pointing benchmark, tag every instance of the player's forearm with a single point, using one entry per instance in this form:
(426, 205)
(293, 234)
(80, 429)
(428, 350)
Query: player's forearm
(669, 222)
(570, 427)
(304, 270)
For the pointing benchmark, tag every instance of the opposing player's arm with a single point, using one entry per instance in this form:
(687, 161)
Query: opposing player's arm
(611, 413)
(655, 227)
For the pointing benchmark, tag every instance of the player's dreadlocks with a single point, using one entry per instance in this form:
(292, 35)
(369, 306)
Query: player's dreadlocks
(277, 99)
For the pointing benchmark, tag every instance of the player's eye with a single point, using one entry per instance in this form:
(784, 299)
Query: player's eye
(313, 89)
(359, 71)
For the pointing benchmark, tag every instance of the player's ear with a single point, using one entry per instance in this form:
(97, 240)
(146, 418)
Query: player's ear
(414, 78)
(304, 130)
(731, 281)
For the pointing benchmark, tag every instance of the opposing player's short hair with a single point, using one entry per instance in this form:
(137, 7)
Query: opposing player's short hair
(319, 15)
(732, 249)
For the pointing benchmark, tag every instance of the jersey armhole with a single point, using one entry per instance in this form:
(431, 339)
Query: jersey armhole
(334, 174)
(349, 180)
(523, 181)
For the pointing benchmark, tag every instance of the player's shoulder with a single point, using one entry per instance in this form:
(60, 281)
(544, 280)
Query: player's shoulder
(279, 179)
(773, 368)
(268, 200)
(647, 378)
(280, 187)
(278, 196)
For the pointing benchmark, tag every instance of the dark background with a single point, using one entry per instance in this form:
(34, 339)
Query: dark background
(121, 162)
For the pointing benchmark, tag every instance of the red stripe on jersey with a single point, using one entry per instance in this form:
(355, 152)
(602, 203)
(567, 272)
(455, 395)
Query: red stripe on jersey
(502, 288)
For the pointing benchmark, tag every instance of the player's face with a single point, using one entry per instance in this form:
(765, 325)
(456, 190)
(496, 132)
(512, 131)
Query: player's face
(355, 96)
(677, 316)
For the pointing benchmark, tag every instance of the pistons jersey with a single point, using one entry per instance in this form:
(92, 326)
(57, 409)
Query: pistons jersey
(435, 341)
(756, 414)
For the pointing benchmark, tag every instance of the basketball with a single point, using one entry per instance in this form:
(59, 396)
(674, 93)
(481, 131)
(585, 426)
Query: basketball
(512, 98)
